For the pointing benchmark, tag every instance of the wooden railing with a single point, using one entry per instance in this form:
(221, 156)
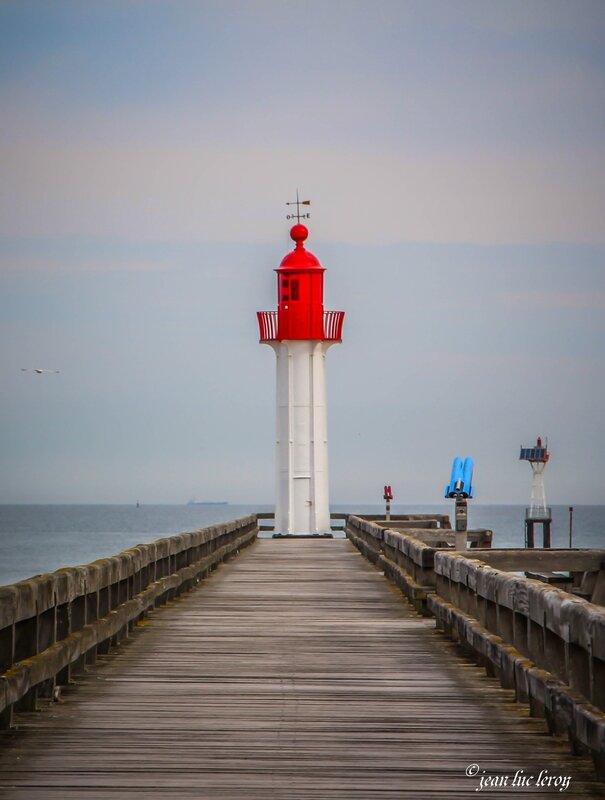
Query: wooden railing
(52, 625)
(268, 518)
(545, 643)
(404, 548)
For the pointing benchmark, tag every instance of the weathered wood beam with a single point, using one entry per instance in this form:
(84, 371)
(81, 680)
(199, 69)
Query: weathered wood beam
(51, 625)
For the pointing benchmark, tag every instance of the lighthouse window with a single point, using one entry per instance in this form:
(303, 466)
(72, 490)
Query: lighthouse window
(294, 290)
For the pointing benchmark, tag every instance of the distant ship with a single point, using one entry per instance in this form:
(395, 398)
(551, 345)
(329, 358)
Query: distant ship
(208, 503)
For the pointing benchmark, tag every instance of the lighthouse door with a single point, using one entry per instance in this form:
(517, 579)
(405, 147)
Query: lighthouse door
(302, 504)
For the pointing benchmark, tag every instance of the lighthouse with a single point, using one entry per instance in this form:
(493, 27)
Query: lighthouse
(300, 333)
(538, 513)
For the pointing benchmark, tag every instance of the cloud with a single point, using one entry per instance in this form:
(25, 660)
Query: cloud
(418, 121)
(506, 364)
(219, 192)
(549, 299)
(21, 263)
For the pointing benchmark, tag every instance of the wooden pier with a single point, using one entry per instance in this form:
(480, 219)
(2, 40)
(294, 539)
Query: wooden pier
(294, 671)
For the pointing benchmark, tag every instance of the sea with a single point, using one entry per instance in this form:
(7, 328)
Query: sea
(41, 538)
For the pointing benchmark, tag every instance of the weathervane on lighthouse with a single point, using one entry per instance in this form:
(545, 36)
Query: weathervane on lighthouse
(300, 333)
(298, 203)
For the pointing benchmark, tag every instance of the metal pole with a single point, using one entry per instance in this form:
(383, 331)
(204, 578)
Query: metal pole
(570, 526)
(461, 523)
(388, 496)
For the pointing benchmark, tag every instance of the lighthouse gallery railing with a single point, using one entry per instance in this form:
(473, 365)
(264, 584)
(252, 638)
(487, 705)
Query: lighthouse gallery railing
(267, 323)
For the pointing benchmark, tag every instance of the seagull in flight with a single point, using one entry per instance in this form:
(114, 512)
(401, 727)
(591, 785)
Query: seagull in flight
(39, 371)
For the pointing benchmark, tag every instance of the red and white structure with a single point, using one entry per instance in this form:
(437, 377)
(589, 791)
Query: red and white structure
(537, 512)
(301, 332)
(538, 457)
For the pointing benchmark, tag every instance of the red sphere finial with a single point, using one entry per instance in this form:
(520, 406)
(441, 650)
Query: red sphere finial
(298, 234)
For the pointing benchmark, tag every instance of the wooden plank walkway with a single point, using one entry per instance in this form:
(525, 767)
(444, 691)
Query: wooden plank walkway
(295, 671)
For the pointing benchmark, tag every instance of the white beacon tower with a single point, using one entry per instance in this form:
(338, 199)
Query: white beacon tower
(300, 332)
(537, 512)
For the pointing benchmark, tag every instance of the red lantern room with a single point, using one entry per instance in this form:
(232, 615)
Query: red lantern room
(300, 292)
(300, 303)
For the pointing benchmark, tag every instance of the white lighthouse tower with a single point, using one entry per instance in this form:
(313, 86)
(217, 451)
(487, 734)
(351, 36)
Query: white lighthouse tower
(538, 513)
(300, 332)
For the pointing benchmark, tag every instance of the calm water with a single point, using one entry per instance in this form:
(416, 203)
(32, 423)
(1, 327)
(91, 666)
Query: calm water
(36, 539)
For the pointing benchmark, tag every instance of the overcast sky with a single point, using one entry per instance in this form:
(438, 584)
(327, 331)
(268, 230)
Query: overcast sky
(454, 154)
